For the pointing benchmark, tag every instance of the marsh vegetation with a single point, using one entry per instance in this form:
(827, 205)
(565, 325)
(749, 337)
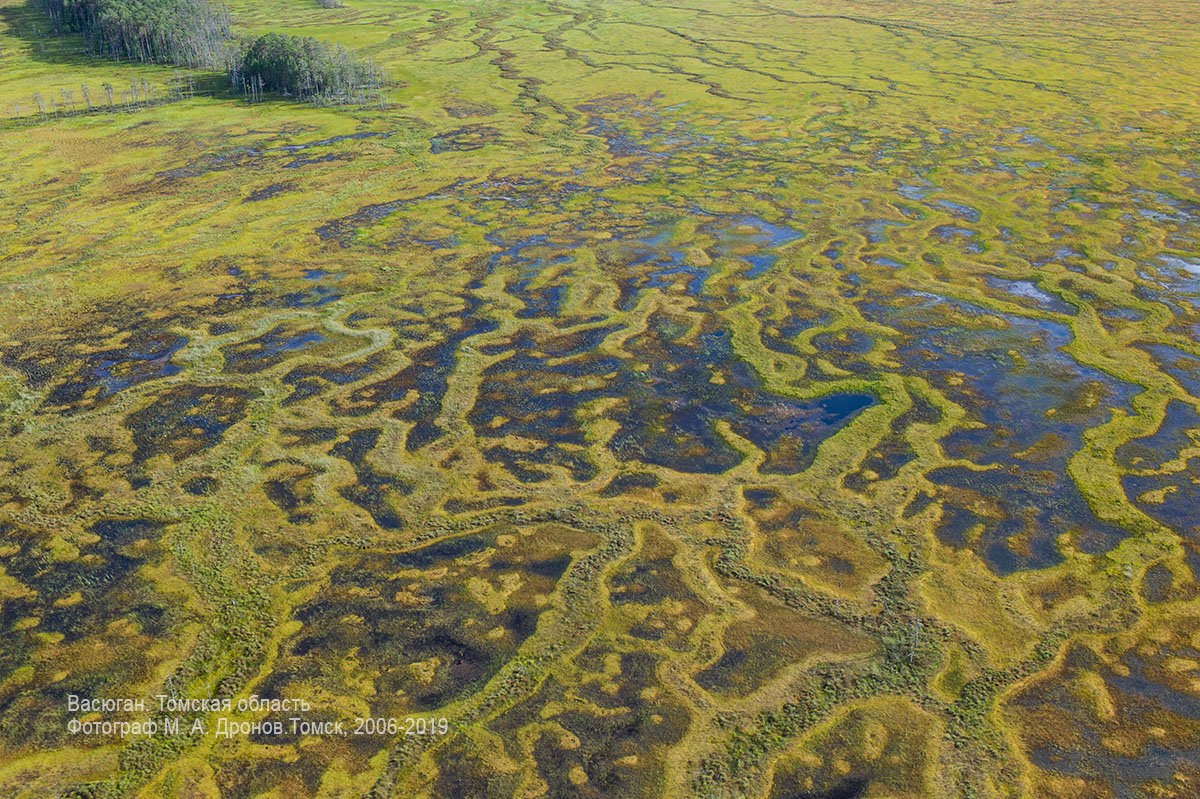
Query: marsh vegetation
(725, 399)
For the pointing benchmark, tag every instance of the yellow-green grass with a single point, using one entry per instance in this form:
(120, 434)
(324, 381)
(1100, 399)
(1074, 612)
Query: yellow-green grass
(864, 634)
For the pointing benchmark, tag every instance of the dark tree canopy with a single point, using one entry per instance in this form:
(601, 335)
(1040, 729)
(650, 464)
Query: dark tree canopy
(196, 33)
(303, 67)
(192, 33)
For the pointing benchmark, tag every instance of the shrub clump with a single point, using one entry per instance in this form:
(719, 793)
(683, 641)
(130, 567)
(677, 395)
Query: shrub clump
(302, 67)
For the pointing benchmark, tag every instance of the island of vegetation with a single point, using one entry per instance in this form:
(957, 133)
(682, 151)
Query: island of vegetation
(197, 33)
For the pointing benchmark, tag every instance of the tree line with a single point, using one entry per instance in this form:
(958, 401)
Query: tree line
(132, 96)
(191, 33)
(197, 34)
